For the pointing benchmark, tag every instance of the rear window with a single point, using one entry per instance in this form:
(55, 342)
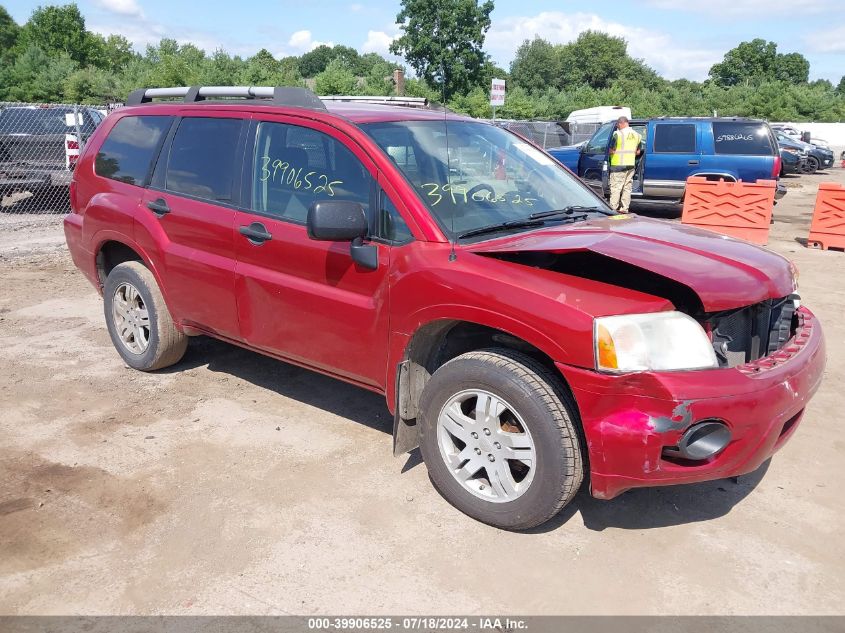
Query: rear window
(748, 138)
(129, 149)
(674, 138)
(202, 158)
(41, 121)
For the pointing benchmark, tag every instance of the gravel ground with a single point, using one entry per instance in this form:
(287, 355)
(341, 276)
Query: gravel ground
(236, 484)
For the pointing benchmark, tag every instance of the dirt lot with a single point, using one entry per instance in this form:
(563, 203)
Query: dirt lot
(237, 484)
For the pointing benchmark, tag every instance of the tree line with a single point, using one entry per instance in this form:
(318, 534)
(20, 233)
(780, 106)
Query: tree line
(54, 58)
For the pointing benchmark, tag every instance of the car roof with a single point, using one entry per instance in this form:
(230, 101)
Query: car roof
(354, 112)
(694, 119)
(376, 113)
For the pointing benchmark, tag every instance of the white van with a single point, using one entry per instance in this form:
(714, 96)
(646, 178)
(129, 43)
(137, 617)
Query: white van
(599, 114)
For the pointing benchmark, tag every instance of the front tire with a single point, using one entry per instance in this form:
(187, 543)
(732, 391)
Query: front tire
(498, 436)
(138, 321)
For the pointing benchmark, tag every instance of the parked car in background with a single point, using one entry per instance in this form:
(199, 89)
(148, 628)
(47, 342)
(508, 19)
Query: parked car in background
(524, 336)
(675, 149)
(816, 157)
(793, 160)
(797, 135)
(39, 147)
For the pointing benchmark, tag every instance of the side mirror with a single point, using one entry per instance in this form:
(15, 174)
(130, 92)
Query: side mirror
(336, 221)
(343, 221)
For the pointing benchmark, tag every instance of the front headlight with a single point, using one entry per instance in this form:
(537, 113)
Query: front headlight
(651, 342)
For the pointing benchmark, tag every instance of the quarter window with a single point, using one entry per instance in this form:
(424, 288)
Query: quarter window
(674, 138)
(391, 225)
(295, 166)
(130, 147)
(202, 158)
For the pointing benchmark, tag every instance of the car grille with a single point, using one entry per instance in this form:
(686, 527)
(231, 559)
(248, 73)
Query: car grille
(744, 335)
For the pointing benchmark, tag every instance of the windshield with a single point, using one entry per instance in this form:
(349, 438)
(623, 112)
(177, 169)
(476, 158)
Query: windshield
(493, 176)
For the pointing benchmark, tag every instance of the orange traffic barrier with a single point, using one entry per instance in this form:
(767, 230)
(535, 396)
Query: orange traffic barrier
(828, 227)
(739, 209)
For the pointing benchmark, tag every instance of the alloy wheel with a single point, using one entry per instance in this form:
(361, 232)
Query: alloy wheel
(486, 445)
(131, 318)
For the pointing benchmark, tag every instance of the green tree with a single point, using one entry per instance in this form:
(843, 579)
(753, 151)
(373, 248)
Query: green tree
(824, 84)
(490, 71)
(58, 30)
(336, 79)
(442, 40)
(367, 62)
(221, 69)
(792, 67)
(349, 56)
(91, 85)
(840, 87)
(261, 69)
(174, 65)
(110, 53)
(379, 80)
(598, 60)
(9, 32)
(758, 61)
(315, 61)
(536, 65)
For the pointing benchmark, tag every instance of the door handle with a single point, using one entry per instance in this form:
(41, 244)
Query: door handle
(159, 207)
(692, 162)
(256, 233)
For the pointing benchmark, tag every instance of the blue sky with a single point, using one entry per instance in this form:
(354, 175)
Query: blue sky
(679, 39)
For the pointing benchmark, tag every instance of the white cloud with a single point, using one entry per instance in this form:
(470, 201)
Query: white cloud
(356, 8)
(121, 7)
(746, 7)
(377, 42)
(827, 41)
(303, 41)
(659, 50)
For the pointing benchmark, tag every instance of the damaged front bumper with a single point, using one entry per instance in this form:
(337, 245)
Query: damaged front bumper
(630, 420)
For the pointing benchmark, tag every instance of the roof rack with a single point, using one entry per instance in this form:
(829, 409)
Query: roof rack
(408, 102)
(279, 95)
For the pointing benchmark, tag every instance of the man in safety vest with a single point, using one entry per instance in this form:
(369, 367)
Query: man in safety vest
(624, 149)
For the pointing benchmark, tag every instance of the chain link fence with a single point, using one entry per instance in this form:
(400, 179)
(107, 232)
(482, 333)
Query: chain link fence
(548, 134)
(39, 146)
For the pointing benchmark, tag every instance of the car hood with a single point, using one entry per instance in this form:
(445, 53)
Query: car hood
(724, 272)
(567, 155)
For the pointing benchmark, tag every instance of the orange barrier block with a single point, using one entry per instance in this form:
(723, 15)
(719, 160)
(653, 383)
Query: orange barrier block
(739, 209)
(828, 227)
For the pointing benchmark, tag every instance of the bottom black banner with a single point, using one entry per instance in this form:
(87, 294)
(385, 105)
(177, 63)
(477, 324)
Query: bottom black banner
(425, 624)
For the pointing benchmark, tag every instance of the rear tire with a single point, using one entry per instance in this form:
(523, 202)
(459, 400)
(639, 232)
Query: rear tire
(138, 321)
(520, 460)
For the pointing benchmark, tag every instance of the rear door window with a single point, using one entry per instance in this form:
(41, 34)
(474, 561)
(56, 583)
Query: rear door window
(202, 158)
(674, 138)
(130, 148)
(739, 137)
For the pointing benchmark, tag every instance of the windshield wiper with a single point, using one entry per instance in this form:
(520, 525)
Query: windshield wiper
(565, 211)
(529, 222)
(511, 224)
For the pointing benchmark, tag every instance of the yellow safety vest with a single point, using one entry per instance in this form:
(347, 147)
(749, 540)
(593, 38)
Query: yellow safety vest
(626, 143)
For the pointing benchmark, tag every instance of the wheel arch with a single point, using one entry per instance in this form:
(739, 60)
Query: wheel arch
(113, 249)
(432, 345)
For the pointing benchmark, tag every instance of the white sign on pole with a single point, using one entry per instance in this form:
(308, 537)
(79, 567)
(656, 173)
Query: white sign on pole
(497, 93)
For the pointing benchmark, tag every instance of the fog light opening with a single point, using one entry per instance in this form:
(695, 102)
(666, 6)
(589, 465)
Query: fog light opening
(701, 441)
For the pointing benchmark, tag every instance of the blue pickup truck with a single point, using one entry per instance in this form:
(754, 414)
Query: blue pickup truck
(677, 148)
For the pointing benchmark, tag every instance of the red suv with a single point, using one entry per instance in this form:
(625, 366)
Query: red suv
(524, 336)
